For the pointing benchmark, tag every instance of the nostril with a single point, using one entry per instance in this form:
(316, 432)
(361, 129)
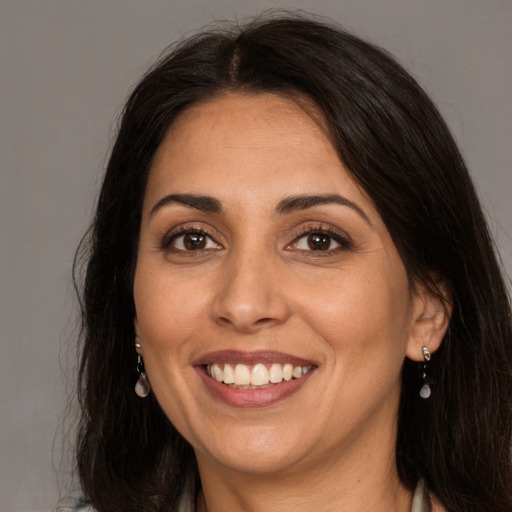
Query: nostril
(263, 321)
(246, 325)
(248, 311)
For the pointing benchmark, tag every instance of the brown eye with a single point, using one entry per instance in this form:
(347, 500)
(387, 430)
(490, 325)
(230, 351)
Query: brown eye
(319, 242)
(192, 241)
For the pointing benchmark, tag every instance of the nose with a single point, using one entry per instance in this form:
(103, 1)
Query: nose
(251, 296)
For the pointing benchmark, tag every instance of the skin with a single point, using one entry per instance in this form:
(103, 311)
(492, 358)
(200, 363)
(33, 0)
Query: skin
(257, 285)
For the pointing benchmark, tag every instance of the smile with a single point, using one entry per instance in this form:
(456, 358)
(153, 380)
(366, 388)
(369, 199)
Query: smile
(258, 376)
(253, 379)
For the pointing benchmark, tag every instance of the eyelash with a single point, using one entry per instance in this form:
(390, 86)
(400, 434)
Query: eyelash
(344, 241)
(168, 239)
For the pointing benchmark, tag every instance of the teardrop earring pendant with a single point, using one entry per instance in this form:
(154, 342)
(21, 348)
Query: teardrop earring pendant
(425, 390)
(142, 386)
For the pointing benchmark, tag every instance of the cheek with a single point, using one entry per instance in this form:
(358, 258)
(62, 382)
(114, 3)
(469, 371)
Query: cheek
(167, 318)
(362, 315)
(167, 308)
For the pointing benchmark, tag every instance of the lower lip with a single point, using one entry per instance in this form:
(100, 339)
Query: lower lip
(252, 397)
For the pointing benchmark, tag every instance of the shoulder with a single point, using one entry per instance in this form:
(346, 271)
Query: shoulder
(72, 505)
(73, 508)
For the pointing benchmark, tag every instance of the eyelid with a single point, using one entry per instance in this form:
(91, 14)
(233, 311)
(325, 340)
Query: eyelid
(339, 236)
(173, 234)
(342, 238)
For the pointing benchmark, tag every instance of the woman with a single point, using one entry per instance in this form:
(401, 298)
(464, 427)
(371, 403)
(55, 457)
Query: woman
(289, 251)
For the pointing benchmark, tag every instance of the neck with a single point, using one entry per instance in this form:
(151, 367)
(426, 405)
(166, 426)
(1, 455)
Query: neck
(369, 482)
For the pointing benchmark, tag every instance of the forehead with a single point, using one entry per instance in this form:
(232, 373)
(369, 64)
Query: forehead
(248, 122)
(274, 107)
(253, 148)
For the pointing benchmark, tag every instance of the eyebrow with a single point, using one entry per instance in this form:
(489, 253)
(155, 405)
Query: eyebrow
(209, 204)
(303, 202)
(206, 204)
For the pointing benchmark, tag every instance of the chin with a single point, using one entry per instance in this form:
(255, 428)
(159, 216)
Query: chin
(257, 456)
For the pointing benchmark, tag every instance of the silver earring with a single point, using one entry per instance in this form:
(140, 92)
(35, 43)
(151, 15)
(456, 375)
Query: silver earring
(142, 387)
(425, 390)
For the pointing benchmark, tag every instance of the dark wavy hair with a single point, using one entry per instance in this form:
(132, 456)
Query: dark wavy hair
(394, 142)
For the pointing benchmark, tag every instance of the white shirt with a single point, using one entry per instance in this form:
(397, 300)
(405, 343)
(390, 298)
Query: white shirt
(420, 503)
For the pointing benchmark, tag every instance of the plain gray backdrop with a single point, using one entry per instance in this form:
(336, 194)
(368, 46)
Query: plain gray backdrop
(66, 67)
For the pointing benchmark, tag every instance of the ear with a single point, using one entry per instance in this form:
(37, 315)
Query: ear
(432, 309)
(138, 344)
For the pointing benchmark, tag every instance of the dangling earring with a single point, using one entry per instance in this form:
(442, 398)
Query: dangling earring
(425, 390)
(142, 387)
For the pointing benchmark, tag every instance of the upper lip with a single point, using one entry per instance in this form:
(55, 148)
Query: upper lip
(250, 358)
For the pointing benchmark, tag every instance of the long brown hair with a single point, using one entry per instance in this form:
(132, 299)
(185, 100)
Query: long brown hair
(394, 142)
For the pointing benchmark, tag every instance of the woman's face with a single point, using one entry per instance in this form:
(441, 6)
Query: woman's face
(272, 306)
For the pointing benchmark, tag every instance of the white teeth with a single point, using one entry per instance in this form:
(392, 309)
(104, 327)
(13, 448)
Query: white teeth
(275, 373)
(242, 375)
(229, 374)
(217, 373)
(287, 372)
(257, 375)
(297, 372)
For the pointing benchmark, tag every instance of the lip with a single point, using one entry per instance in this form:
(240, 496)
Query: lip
(250, 358)
(251, 398)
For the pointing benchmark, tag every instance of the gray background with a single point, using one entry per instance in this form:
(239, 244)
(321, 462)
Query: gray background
(65, 68)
